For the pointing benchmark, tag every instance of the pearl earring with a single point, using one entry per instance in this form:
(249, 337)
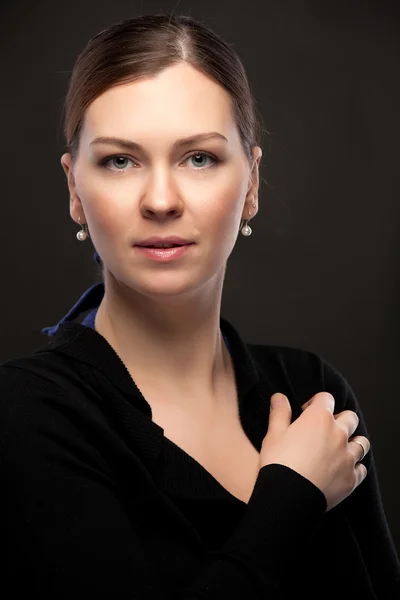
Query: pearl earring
(81, 235)
(247, 230)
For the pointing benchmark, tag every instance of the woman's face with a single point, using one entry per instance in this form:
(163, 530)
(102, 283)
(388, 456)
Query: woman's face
(198, 191)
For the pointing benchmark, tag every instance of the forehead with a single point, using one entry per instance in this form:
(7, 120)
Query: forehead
(180, 100)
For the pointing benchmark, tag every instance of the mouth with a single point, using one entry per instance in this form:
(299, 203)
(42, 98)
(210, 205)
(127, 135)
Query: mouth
(165, 254)
(163, 246)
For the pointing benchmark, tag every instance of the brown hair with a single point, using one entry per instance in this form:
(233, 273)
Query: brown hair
(142, 47)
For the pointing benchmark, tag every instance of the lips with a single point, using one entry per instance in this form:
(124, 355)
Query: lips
(164, 254)
(164, 247)
(154, 240)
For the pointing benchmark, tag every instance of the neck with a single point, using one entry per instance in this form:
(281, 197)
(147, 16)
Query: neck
(171, 345)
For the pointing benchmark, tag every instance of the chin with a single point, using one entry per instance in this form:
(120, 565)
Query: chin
(163, 285)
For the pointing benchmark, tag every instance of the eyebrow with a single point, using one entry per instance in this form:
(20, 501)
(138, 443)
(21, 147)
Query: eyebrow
(130, 145)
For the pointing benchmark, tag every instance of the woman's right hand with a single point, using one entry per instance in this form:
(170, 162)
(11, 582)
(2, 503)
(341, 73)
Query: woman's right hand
(316, 445)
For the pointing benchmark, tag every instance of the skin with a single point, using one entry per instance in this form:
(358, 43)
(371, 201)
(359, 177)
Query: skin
(164, 317)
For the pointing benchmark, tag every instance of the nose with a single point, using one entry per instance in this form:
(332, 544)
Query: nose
(161, 199)
(159, 212)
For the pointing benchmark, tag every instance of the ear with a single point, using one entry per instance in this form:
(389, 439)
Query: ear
(249, 211)
(75, 205)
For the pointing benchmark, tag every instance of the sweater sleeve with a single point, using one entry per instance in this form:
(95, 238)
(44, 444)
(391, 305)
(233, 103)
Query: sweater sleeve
(364, 509)
(65, 528)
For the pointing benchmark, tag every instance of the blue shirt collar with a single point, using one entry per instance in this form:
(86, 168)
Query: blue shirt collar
(90, 299)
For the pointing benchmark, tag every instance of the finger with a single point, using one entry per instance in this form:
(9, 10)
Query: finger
(348, 421)
(305, 405)
(327, 399)
(280, 415)
(356, 449)
(322, 397)
(361, 472)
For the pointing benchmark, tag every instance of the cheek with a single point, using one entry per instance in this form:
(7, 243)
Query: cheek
(108, 219)
(106, 212)
(222, 223)
(226, 209)
(104, 205)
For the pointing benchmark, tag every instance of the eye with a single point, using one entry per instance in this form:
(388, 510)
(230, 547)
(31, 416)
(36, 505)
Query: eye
(204, 155)
(104, 162)
(121, 157)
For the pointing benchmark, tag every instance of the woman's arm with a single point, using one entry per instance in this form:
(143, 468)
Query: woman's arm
(364, 509)
(66, 529)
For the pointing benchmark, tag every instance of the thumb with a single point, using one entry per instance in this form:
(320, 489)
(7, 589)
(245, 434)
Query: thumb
(280, 413)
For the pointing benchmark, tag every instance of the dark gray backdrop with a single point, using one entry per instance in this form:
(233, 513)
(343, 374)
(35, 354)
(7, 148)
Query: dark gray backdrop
(320, 271)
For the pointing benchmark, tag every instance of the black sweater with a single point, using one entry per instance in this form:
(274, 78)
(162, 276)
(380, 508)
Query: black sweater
(97, 502)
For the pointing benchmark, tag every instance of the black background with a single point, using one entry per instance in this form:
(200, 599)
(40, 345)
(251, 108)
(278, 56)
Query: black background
(320, 271)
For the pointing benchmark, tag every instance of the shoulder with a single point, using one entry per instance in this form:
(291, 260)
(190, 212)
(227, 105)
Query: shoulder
(28, 375)
(302, 373)
(45, 428)
(33, 394)
(43, 414)
(287, 357)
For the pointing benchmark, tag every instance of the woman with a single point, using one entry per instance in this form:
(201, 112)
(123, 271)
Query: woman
(148, 451)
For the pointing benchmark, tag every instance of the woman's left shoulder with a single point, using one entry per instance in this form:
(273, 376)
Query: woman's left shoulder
(303, 373)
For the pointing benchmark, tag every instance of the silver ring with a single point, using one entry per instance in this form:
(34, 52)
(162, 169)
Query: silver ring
(362, 446)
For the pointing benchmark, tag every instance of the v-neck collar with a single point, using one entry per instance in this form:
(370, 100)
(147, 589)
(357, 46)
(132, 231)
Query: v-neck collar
(88, 345)
(133, 418)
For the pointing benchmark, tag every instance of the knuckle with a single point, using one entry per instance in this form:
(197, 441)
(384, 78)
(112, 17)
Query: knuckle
(351, 479)
(343, 435)
(326, 414)
(353, 415)
(364, 441)
(328, 395)
(362, 473)
(367, 444)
